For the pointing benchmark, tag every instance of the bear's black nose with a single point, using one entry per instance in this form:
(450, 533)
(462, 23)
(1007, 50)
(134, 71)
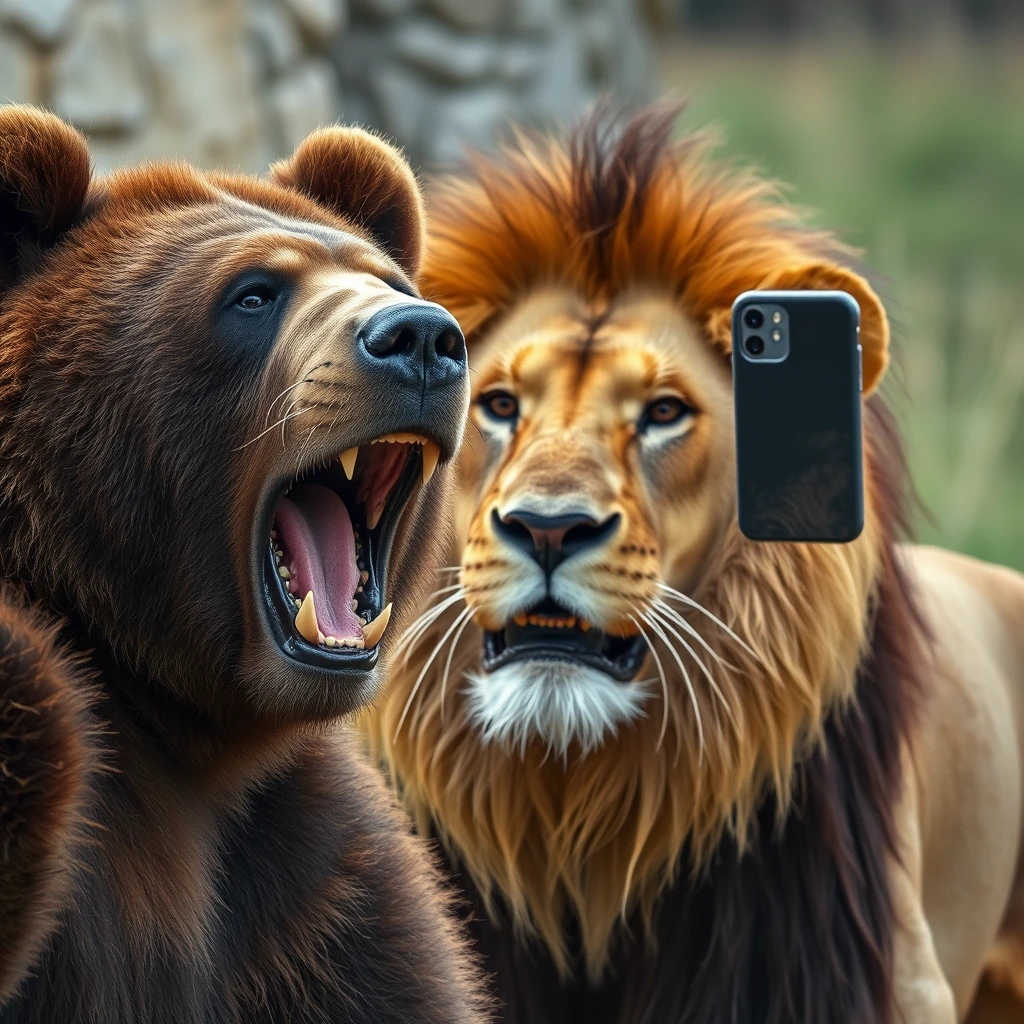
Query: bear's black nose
(414, 343)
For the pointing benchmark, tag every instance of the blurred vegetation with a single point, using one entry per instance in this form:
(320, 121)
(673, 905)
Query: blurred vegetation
(916, 156)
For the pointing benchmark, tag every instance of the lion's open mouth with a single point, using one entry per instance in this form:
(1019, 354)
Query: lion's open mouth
(547, 632)
(326, 556)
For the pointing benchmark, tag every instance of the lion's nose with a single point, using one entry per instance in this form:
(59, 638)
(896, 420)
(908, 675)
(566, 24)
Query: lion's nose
(414, 343)
(550, 540)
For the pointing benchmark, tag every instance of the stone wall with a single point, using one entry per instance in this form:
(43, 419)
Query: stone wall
(236, 83)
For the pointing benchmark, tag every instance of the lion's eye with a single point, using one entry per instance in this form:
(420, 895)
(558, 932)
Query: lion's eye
(664, 411)
(500, 404)
(255, 298)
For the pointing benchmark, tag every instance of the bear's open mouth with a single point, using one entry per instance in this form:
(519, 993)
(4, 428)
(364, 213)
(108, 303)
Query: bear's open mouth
(326, 556)
(548, 632)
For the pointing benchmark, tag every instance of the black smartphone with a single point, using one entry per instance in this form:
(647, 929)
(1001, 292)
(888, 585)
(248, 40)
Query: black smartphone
(797, 382)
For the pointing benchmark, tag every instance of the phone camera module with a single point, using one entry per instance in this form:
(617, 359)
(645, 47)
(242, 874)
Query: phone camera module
(755, 344)
(753, 317)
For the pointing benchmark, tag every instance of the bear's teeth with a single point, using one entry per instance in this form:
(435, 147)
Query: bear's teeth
(348, 461)
(305, 621)
(373, 631)
(431, 453)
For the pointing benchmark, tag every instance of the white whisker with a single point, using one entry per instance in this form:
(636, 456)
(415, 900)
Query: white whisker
(664, 682)
(411, 637)
(466, 616)
(671, 613)
(304, 380)
(693, 654)
(281, 422)
(426, 666)
(677, 595)
(656, 628)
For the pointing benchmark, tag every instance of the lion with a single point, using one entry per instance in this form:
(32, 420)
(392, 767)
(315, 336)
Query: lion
(680, 776)
(222, 406)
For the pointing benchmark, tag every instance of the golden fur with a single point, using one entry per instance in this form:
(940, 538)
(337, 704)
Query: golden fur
(612, 825)
(584, 289)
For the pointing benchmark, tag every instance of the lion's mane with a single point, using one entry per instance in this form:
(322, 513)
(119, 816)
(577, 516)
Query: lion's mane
(770, 839)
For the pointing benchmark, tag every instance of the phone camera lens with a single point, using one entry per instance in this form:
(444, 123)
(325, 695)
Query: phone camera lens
(753, 318)
(755, 344)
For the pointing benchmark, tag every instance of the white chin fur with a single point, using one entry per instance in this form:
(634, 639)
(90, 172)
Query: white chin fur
(556, 702)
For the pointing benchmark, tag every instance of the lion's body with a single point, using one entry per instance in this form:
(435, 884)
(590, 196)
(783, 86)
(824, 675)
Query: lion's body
(729, 832)
(964, 811)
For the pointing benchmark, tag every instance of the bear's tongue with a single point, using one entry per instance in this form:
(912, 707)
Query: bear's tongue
(315, 531)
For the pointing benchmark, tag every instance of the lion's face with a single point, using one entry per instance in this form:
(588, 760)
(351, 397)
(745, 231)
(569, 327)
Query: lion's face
(223, 405)
(604, 477)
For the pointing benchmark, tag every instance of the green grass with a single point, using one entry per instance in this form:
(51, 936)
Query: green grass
(918, 158)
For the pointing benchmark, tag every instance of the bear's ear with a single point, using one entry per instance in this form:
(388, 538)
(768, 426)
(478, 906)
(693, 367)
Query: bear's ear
(44, 178)
(365, 180)
(874, 324)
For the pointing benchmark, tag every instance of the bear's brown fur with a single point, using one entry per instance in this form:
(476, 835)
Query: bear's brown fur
(182, 836)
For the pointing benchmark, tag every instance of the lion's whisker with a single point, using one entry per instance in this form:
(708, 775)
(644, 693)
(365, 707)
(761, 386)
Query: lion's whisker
(656, 628)
(668, 610)
(412, 635)
(664, 682)
(678, 596)
(426, 665)
(693, 654)
(466, 616)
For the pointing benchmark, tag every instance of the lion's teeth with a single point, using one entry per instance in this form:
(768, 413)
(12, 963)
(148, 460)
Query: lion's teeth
(305, 621)
(348, 461)
(373, 631)
(431, 453)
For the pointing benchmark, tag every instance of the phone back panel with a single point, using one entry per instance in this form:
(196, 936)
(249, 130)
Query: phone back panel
(798, 423)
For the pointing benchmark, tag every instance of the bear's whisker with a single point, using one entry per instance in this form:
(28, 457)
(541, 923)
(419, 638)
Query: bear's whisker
(281, 422)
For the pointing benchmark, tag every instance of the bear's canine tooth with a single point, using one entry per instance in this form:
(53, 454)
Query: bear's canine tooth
(348, 460)
(431, 453)
(373, 631)
(305, 621)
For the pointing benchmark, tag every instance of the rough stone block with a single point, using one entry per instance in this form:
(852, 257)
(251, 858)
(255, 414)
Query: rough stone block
(44, 20)
(304, 100)
(321, 20)
(19, 73)
(96, 81)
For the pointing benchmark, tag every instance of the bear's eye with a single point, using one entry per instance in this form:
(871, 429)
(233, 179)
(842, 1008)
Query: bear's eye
(255, 297)
(663, 412)
(500, 405)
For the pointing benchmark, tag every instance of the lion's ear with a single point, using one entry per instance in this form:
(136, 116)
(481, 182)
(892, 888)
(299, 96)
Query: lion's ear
(44, 178)
(874, 324)
(365, 180)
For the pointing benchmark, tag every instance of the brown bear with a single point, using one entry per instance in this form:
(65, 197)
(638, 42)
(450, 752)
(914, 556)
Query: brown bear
(222, 403)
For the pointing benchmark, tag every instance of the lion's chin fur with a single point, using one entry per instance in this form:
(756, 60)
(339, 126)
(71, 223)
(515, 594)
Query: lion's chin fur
(556, 703)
